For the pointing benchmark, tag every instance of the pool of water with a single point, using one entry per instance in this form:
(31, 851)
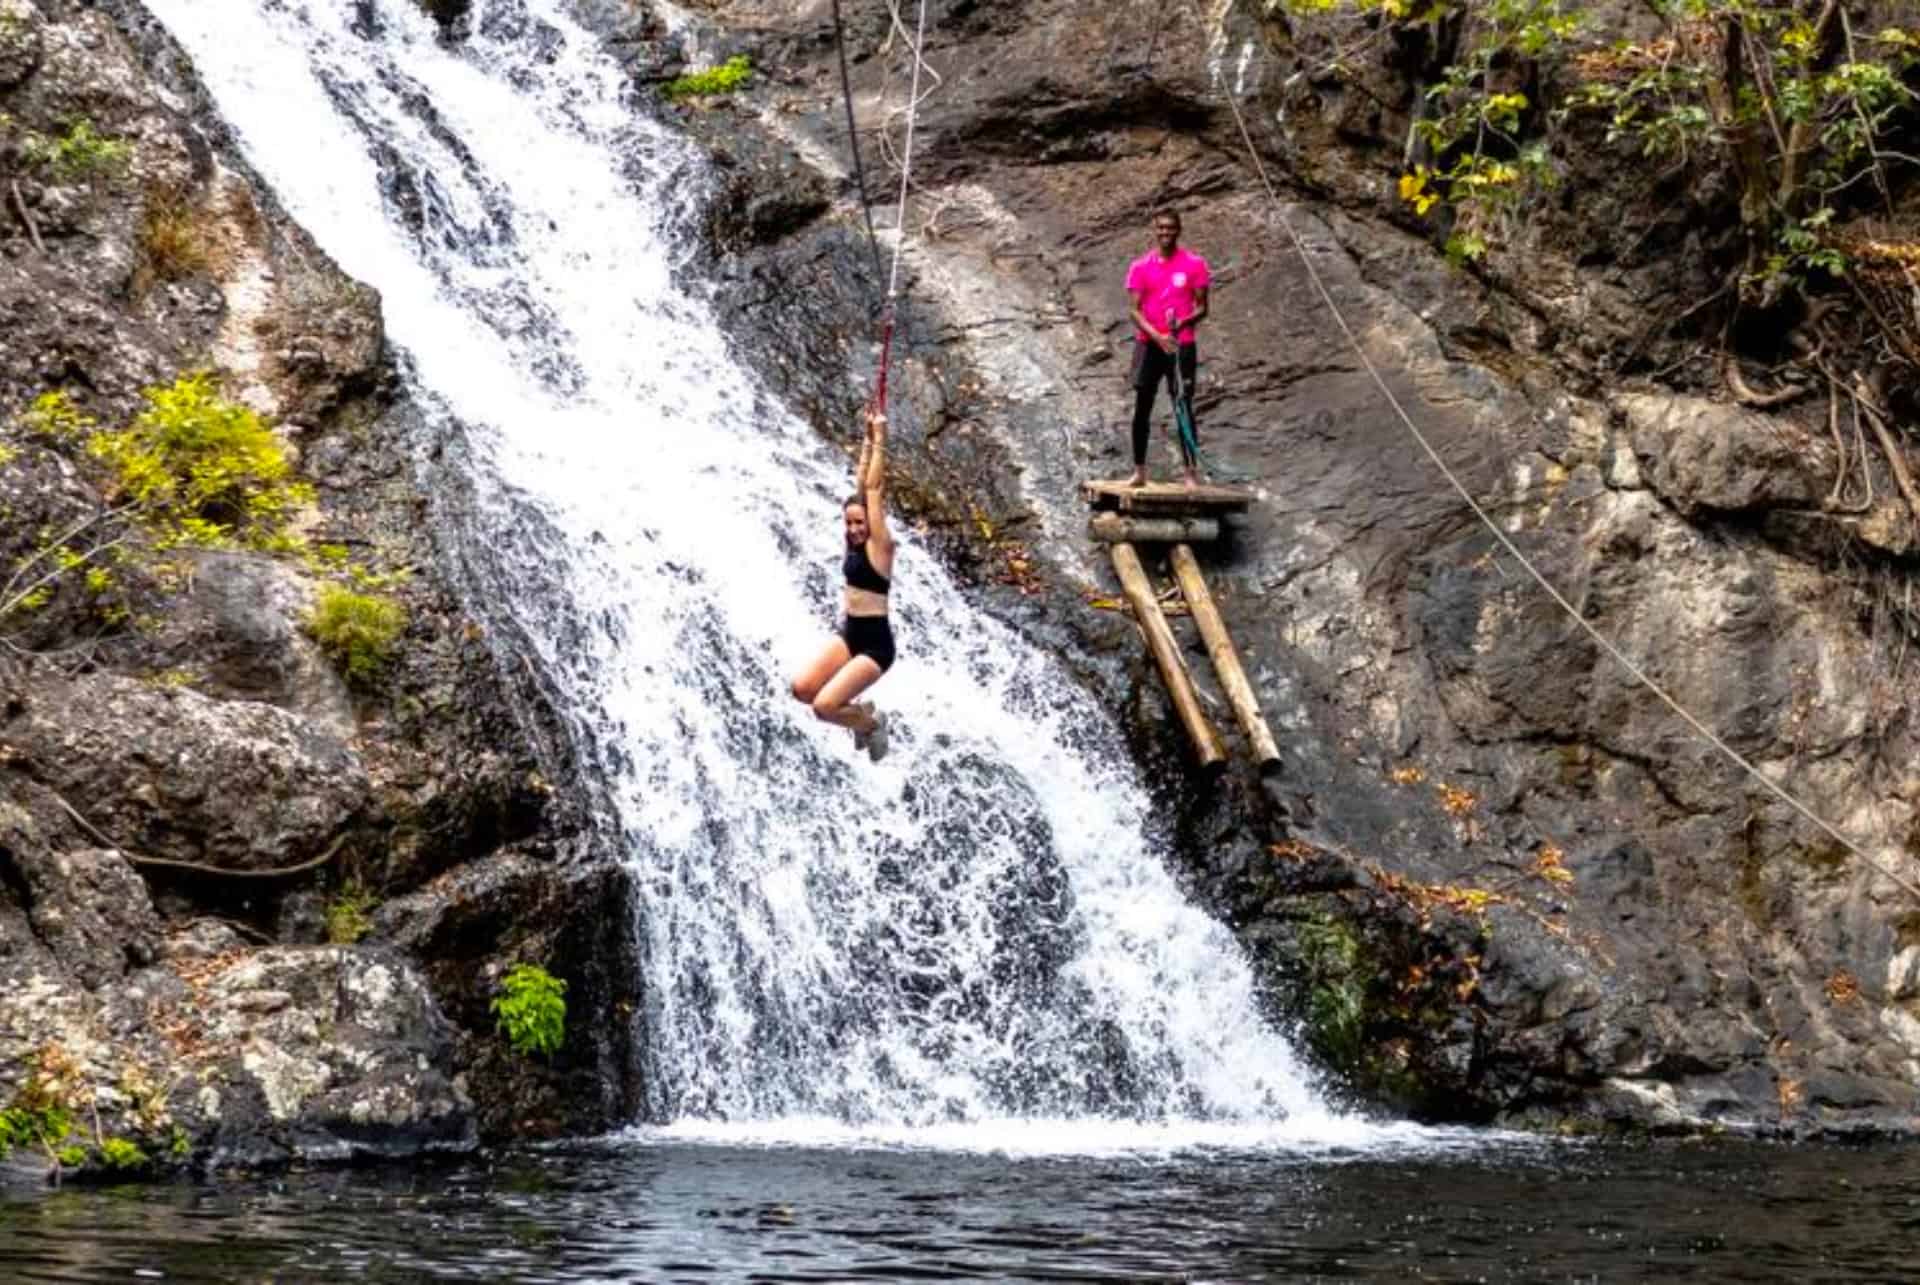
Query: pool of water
(662, 1208)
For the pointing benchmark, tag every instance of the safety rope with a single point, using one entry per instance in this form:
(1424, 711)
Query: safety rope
(1513, 550)
(853, 138)
(900, 219)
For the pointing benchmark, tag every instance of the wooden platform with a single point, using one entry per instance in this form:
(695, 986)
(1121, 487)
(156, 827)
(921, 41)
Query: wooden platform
(1168, 499)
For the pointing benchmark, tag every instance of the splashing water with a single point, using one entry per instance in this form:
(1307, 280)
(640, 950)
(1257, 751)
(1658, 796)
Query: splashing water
(976, 929)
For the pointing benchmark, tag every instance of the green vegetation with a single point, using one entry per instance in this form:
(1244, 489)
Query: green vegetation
(121, 1154)
(358, 630)
(1337, 987)
(1784, 95)
(54, 416)
(38, 1125)
(192, 468)
(348, 914)
(724, 79)
(202, 469)
(41, 1113)
(532, 1010)
(73, 1157)
(80, 153)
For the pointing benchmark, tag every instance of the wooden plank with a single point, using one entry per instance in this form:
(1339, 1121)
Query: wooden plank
(1115, 528)
(1167, 498)
(1166, 654)
(1226, 661)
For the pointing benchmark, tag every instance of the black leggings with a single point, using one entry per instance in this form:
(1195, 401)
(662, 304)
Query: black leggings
(1153, 366)
(869, 636)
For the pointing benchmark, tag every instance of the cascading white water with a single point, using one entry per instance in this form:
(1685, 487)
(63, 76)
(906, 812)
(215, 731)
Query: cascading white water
(975, 929)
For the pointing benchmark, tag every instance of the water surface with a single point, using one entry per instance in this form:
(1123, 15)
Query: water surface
(1441, 1207)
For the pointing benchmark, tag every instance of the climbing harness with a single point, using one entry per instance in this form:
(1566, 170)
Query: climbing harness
(1513, 550)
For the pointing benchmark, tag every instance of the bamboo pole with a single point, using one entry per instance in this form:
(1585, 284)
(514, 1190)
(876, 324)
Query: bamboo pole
(1226, 661)
(1115, 528)
(1166, 654)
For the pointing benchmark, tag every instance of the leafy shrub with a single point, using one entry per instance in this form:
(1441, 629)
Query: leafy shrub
(36, 1124)
(531, 1009)
(358, 630)
(122, 1153)
(80, 153)
(724, 79)
(204, 469)
(71, 1157)
(347, 915)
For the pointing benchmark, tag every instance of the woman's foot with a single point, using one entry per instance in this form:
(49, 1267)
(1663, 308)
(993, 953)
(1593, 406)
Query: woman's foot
(877, 738)
(865, 710)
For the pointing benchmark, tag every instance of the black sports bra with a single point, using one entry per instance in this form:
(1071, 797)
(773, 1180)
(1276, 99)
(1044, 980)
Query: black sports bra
(860, 573)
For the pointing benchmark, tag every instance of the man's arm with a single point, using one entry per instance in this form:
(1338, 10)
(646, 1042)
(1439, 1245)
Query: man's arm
(1200, 295)
(1139, 298)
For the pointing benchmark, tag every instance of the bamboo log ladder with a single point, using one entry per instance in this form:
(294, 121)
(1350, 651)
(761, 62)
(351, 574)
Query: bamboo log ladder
(1226, 660)
(1179, 516)
(1207, 749)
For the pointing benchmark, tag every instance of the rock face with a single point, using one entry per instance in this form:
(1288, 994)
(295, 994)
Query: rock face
(1498, 878)
(215, 848)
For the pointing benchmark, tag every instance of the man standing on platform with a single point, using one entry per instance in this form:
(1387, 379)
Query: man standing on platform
(1168, 289)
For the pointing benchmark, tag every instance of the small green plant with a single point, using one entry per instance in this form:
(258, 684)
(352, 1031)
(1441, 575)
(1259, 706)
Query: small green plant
(724, 79)
(1336, 998)
(358, 630)
(122, 1154)
(532, 1010)
(71, 1157)
(82, 152)
(41, 1113)
(55, 417)
(348, 914)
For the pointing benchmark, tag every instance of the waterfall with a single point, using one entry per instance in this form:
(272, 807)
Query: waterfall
(978, 928)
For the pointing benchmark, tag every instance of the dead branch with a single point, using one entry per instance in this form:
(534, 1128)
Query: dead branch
(26, 216)
(1896, 454)
(1744, 393)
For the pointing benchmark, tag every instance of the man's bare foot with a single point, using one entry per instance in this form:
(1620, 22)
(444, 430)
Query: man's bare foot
(1139, 478)
(1192, 479)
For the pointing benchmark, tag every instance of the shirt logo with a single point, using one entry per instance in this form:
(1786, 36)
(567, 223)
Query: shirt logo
(1179, 281)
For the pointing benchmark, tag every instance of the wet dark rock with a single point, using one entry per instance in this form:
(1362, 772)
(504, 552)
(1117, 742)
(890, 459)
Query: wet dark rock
(175, 774)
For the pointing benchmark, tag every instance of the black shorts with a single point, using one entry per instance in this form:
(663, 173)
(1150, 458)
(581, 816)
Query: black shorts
(869, 636)
(1153, 365)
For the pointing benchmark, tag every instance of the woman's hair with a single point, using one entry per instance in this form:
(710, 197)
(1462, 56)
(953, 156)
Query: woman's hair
(854, 501)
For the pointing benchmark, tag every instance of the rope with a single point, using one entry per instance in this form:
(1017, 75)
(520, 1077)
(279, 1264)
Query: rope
(853, 138)
(1513, 550)
(916, 46)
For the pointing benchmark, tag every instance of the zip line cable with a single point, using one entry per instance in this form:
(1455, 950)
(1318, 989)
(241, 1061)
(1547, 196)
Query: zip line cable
(1605, 643)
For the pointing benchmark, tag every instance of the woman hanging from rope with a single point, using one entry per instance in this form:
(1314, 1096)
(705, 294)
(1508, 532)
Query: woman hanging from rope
(863, 649)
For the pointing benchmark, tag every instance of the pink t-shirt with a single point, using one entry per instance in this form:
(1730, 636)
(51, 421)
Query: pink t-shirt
(1170, 285)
